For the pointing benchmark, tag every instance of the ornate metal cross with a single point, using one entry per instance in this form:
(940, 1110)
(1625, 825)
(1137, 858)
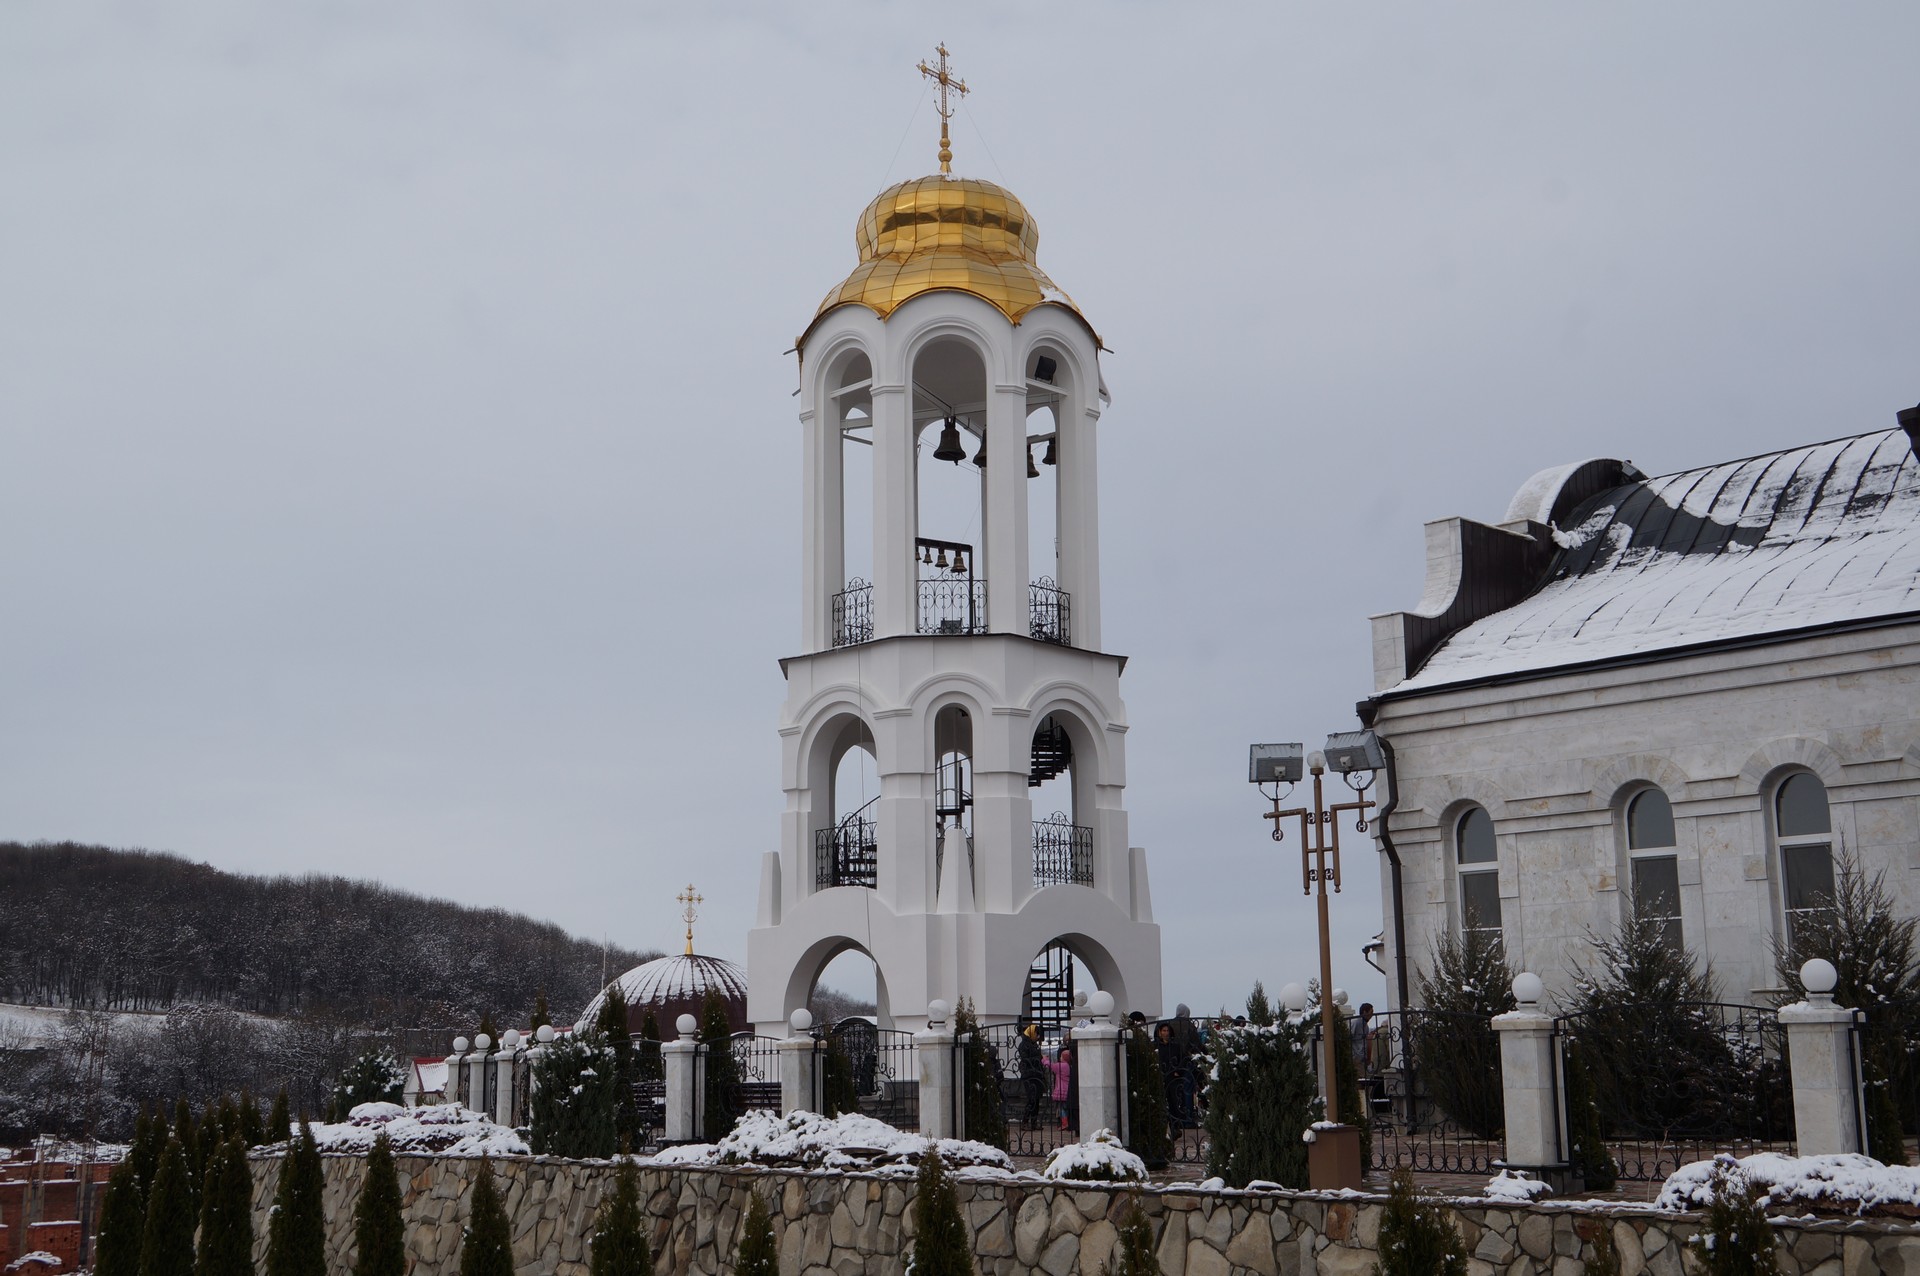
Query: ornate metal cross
(947, 82)
(689, 913)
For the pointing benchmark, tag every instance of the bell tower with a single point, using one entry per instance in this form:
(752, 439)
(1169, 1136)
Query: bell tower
(953, 736)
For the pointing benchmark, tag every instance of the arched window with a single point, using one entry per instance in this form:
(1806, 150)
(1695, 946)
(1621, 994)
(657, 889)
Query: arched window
(1653, 865)
(1479, 873)
(1803, 836)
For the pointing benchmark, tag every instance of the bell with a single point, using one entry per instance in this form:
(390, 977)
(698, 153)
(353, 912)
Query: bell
(959, 563)
(950, 449)
(1033, 471)
(980, 457)
(942, 560)
(1048, 459)
(926, 555)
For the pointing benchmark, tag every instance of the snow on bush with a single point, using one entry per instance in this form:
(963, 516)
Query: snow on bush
(39, 1258)
(1515, 1185)
(1845, 1183)
(1102, 1158)
(807, 1139)
(447, 1129)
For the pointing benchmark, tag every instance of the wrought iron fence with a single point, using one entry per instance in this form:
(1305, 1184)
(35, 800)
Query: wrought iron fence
(756, 1072)
(1430, 1083)
(953, 605)
(1677, 1082)
(1062, 852)
(650, 1090)
(886, 1073)
(1887, 1064)
(1049, 612)
(848, 854)
(853, 613)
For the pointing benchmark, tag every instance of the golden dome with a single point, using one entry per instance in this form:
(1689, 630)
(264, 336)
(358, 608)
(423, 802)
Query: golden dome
(947, 232)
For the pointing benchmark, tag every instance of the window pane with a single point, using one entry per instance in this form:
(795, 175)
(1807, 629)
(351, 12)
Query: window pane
(1649, 820)
(1809, 873)
(1480, 901)
(1656, 887)
(1801, 807)
(1475, 836)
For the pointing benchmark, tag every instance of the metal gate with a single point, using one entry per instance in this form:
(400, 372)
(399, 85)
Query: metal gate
(886, 1074)
(1430, 1082)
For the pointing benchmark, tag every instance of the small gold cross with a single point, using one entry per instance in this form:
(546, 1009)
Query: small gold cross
(939, 74)
(689, 914)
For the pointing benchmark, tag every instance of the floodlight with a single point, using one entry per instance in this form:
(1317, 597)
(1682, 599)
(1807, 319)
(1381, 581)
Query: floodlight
(1276, 763)
(1350, 751)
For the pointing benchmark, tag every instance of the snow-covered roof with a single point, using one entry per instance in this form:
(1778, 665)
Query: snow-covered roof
(1813, 536)
(682, 980)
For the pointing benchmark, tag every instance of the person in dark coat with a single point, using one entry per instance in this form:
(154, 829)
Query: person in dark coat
(1033, 1072)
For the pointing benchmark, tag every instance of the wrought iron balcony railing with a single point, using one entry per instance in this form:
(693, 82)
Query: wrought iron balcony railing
(956, 605)
(1049, 611)
(846, 854)
(1062, 852)
(853, 614)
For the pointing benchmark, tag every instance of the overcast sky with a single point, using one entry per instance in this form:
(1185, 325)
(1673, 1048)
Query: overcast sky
(399, 476)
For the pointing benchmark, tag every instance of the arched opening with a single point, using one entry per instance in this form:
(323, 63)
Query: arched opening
(1049, 604)
(950, 430)
(1062, 823)
(853, 413)
(846, 846)
(953, 780)
(1053, 979)
(1476, 855)
(1653, 865)
(1803, 846)
(847, 987)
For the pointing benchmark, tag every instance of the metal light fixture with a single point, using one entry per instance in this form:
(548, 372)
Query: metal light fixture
(1276, 763)
(1044, 369)
(1049, 458)
(950, 449)
(1351, 751)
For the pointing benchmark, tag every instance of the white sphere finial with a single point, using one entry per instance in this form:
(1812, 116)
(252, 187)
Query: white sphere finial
(1818, 977)
(800, 1021)
(1340, 997)
(1528, 988)
(1293, 998)
(483, 1042)
(1100, 1004)
(544, 1034)
(688, 1026)
(1079, 998)
(510, 1039)
(459, 1045)
(937, 1012)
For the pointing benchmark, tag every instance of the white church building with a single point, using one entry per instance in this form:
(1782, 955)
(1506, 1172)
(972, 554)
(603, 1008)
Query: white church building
(953, 737)
(1689, 695)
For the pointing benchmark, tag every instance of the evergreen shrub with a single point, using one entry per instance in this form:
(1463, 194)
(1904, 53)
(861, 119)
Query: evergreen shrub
(166, 1244)
(297, 1227)
(1738, 1240)
(572, 1110)
(649, 1066)
(486, 1248)
(123, 1224)
(375, 1077)
(1455, 1051)
(1137, 1256)
(941, 1245)
(756, 1255)
(1605, 1259)
(1149, 1134)
(721, 1086)
(839, 1094)
(1261, 1101)
(979, 1081)
(226, 1213)
(612, 1026)
(619, 1245)
(379, 1234)
(1590, 1157)
(1416, 1236)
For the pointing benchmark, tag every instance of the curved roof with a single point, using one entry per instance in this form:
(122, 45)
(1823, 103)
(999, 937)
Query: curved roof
(954, 233)
(1812, 536)
(680, 980)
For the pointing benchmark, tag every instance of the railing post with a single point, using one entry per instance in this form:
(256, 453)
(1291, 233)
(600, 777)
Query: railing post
(1824, 1066)
(1103, 1083)
(1529, 1084)
(476, 1072)
(933, 1052)
(680, 1062)
(505, 1066)
(542, 1042)
(800, 1066)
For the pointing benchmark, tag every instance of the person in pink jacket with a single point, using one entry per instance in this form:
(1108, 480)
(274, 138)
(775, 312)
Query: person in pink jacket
(1061, 1070)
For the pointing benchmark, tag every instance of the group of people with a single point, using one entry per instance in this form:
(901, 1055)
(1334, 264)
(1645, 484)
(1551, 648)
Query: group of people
(1056, 1079)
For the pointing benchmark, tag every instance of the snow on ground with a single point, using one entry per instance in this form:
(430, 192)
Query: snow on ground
(1101, 1158)
(807, 1139)
(447, 1129)
(1515, 1186)
(1847, 1183)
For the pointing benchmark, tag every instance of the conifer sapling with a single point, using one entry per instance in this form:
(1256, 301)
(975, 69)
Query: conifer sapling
(487, 1247)
(379, 1235)
(619, 1243)
(756, 1255)
(166, 1245)
(941, 1245)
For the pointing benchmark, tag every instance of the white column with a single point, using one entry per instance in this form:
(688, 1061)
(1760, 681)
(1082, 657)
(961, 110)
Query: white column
(476, 1097)
(821, 569)
(680, 1062)
(956, 874)
(934, 1051)
(1527, 1080)
(1079, 523)
(1826, 1079)
(1006, 510)
(503, 1069)
(1103, 1080)
(456, 1073)
(894, 512)
(800, 1066)
(542, 1042)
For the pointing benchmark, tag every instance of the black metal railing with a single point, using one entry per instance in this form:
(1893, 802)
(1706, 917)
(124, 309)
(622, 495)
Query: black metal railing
(853, 613)
(885, 1070)
(847, 854)
(1049, 612)
(953, 606)
(1062, 852)
(756, 1072)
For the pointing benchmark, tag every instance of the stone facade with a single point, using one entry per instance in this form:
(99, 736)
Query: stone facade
(861, 1225)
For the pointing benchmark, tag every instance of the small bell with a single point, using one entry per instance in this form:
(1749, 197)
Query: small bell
(926, 554)
(949, 448)
(980, 457)
(959, 563)
(942, 560)
(1033, 471)
(1048, 459)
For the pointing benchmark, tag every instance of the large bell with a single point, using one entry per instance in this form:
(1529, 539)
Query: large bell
(1049, 458)
(980, 457)
(950, 449)
(1032, 470)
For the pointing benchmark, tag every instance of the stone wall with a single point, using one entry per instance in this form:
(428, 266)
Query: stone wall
(860, 1225)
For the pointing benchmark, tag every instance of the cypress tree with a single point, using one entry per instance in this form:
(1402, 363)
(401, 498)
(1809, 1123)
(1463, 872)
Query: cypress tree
(297, 1228)
(1150, 1135)
(1738, 1240)
(1262, 1099)
(941, 1246)
(541, 1017)
(839, 1094)
(1346, 1080)
(378, 1233)
(1416, 1236)
(1137, 1256)
(487, 1248)
(280, 1120)
(1590, 1156)
(226, 1214)
(183, 1129)
(619, 1246)
(166, 1244)
(722, 1088)
(487, 1027)
(756, 1255)
(149, 1138)
(979, 1082)
(572, 1113)
(612, 1023)
(207, 1142)
(253, 1126)
(123, 1223)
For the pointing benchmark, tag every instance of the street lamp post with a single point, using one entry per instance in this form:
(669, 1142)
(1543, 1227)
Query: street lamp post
(1333, 1160)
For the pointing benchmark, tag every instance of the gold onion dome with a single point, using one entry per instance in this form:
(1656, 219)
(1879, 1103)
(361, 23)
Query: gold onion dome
(953, 233)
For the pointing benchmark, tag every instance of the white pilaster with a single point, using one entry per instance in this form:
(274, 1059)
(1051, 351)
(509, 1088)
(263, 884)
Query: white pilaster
(1006, 510)
(895, 498)
(1826, 1080)
(1079, 522)
(1527, 1080)
(680, 1063)
(1102, 1069)
(933, 1050)
(800, 1066)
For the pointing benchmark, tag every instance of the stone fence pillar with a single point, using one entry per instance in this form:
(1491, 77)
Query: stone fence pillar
(475, 1099)
(542, 1042)
(509, 1072)
(680, 1062)
(1103, 1074)
(800, 1067)
(933, 1050)
(1528, 1084)
(1825, 1069)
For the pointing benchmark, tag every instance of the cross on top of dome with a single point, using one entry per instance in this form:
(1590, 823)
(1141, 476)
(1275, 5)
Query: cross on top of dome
(689, 914)
(947, 82)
